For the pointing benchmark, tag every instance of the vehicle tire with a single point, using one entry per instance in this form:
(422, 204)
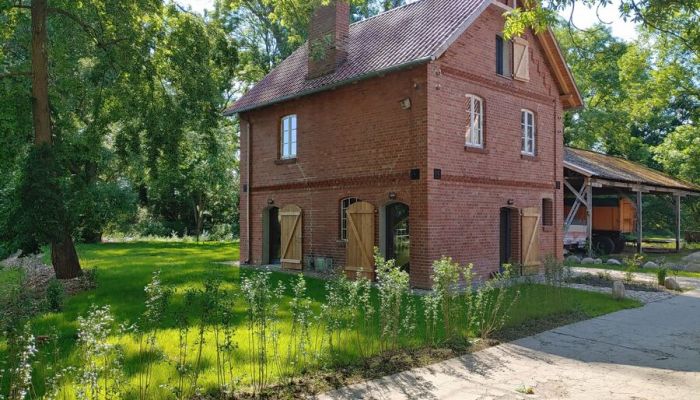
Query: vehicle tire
(620, 244)
(603, 245)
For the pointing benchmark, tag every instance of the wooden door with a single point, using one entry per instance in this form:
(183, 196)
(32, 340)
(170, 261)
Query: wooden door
(359, 261)
(290, 222)
(530, 222)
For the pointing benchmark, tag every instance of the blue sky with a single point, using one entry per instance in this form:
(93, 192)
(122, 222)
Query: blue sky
(583, 17)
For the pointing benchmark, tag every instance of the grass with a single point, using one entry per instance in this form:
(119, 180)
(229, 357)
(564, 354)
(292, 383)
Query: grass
(123, 269)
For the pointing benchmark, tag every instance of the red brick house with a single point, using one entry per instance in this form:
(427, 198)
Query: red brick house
(420, 131)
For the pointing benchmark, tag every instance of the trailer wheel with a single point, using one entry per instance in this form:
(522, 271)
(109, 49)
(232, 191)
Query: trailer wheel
(620, 244)
(604, 245)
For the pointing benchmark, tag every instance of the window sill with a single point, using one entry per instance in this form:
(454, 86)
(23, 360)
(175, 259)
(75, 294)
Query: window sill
(547, 228)
(285, 161)
(342, 243)
(474, 149)
(530, 157)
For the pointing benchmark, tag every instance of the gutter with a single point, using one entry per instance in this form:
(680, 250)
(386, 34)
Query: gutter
(335, 85)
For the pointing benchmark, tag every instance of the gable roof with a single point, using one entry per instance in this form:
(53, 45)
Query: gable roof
(405, 36)
(598, 165)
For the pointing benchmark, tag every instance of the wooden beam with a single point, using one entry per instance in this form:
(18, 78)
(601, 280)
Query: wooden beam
(678, 222)
(640, 215)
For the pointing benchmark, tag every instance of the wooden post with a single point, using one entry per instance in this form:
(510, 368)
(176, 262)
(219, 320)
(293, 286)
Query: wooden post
(640, 215)
(678, 223)
(589, 215)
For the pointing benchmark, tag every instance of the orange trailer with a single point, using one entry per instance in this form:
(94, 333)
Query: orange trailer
(612, 218)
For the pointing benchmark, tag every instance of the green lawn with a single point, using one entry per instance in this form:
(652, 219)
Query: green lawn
(123, 269)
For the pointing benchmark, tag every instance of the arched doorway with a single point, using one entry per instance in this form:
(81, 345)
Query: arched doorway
(272, 231)
(397, 234)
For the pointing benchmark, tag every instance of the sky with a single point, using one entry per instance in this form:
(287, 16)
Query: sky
(583, 17)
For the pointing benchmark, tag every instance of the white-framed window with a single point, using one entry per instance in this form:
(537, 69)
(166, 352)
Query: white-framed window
(344, 205)
(527, 126)
(474, 136)
(288, 137)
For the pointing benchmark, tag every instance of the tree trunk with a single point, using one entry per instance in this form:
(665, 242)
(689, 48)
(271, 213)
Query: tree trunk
(40, 74)
(65, 259)
(63, 255)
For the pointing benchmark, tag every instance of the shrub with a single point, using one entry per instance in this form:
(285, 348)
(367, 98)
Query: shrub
(447, 293)
(661, 276)
(492, 305)
(396, 311)
(101, 370)
(55, 294)
(262, 303)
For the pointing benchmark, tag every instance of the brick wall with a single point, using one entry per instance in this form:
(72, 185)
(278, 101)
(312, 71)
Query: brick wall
(464, 206)
(357, 141)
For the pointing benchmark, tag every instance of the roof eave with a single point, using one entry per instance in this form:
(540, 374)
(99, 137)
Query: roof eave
(335, 85)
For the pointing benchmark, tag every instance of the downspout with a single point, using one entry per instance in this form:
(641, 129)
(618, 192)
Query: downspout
(556, 175)
(249, 128)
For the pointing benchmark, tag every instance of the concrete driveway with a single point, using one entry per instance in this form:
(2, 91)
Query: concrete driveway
(652, 352)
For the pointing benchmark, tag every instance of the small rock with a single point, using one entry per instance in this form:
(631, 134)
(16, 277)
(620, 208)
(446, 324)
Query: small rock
(618, 290)
(613, 261)
(650, 264)
(598, 261)
(672, 284)
(573, 259)
(588, 260)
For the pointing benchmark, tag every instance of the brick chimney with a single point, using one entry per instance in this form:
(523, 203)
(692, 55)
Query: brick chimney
(328, 38)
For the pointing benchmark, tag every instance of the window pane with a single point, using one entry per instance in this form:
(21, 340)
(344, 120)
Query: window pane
(294, 122)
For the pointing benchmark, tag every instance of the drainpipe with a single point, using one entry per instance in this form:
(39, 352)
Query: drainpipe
(249, 128)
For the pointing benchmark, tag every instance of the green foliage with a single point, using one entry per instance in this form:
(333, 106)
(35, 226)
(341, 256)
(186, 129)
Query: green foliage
(661, 276)
(493, 303)
(55, 295)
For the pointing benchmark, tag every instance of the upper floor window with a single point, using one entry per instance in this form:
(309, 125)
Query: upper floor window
(503, 56)
(344, 205)
(288, 137)
(527, 125)
(474, 136)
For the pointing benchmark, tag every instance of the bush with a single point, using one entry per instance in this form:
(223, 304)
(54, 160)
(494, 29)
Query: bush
(55, 294)
(661, 276)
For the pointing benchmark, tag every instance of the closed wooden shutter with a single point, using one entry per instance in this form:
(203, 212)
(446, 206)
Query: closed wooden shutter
(521, 60)
(290, 223)
(530, 221)
(360, 247)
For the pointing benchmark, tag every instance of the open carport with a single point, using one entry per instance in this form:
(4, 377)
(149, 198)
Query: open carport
(593, 181)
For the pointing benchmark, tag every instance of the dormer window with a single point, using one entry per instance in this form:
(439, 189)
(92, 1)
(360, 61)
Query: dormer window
(288, 137)
(503, 56)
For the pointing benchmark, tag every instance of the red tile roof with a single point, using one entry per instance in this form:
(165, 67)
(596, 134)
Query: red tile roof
(404, 36)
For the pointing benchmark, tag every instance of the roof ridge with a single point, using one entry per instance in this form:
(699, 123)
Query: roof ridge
(386, 12)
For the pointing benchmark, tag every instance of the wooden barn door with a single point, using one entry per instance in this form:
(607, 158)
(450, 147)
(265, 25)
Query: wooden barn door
(290, 222)
(530, 222)
(360, 247)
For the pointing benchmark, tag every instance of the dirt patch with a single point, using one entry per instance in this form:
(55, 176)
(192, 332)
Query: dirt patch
(36, 275)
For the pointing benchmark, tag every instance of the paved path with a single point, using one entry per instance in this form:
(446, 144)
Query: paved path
(652, 352)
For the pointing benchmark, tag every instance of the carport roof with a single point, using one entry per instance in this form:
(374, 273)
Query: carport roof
(619, 170)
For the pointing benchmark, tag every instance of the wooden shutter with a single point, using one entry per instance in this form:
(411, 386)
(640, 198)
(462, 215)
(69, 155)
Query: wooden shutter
(530, 221)
(521, 60)
(290, 223)
(360, 247)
